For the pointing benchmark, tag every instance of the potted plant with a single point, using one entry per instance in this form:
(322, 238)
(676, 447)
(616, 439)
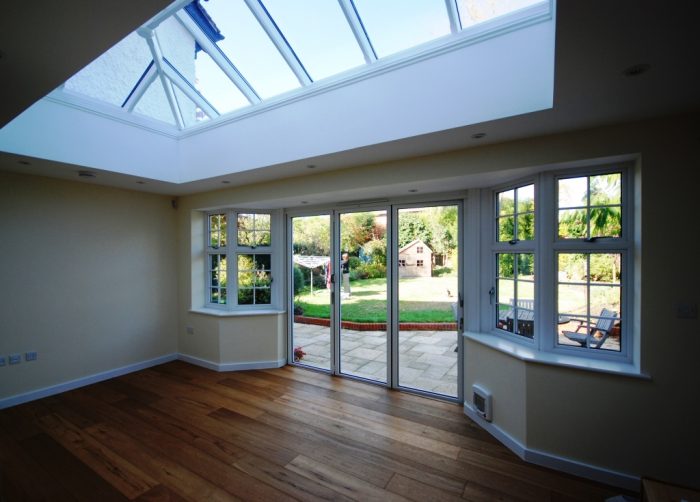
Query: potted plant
(298, 354)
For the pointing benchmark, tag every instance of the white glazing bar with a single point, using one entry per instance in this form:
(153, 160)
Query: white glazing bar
(140, 89)
(154, 46)
(277, 38)
(171, 9)
(453, 14)
(358, 29)
(218, 57)
(181, 82)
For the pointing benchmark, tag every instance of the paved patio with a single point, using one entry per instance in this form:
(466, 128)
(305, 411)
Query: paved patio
(427, 359)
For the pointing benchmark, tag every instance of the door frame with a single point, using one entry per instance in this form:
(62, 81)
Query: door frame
(391, 208)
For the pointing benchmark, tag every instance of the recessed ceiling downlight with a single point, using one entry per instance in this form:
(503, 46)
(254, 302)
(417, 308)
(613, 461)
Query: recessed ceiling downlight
(87, 174)
(478, 135)
(311, 166)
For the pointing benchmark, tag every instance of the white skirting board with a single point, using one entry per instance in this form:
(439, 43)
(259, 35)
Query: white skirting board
(600, 474)
(130, 368)
(83, 381)
(254, 365)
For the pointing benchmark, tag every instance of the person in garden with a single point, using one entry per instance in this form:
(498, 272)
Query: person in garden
(345, 269)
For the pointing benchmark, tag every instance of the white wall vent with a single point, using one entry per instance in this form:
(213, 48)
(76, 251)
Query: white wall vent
(481, 399)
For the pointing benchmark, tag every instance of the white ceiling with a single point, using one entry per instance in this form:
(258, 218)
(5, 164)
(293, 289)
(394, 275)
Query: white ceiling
(596, 41)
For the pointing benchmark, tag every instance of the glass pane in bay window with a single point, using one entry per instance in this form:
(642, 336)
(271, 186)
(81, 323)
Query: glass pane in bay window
(605, 268)
(262, 238)
(245, 296)
(506, 267)
(573, 192)
(526, 293)
(222, 296)
(526, 266)
(246, 238)
(506, 203)
(606, 189)
(526, 226)
(506, 291)
(246, 262)
(214, 295)
(605, 297)
(572, 299)
(606, 222)
(573, 267)
(526, 198)
(573, 224)
(217, 230)
(262, 222)
(263, 279)
(506, 228)
(262, 261)
(246, 279)
(246, 222)
(262, 296)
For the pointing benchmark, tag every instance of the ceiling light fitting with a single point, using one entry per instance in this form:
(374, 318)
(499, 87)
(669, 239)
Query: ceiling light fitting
(637, 69)
(87, 174)
(24, 162)
(225, 182)
(311, 166)
(478, 135)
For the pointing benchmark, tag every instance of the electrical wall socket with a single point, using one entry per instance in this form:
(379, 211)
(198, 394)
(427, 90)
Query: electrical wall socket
(2, 361)
(686, 310)
(30, 356)
(15, 358)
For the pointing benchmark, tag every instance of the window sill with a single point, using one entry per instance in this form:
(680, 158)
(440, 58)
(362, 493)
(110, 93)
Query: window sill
(531, 355)
(235, 313)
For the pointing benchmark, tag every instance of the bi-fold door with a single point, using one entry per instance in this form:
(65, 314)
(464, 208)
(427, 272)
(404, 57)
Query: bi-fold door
(376, 295)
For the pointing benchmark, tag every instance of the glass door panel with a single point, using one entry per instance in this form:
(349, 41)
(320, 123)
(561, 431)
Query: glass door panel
(363, 301)
(428, 299)
(312, 290)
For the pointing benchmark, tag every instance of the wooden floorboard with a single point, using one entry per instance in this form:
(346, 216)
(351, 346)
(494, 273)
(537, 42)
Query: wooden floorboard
(179, 432)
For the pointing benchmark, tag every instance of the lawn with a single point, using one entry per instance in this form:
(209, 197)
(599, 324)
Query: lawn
(421, 299)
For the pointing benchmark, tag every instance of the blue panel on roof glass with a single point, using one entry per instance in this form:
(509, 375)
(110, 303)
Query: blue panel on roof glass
(473, 12)
(395, 25)
(248, 47)
(319, 34)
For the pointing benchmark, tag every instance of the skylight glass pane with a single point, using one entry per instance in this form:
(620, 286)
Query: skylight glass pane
(473, 12)
(248, 47)
(395, 25)
(154, 104)
(215, 86)
(187, 108)
(112, 76)
(319, 34)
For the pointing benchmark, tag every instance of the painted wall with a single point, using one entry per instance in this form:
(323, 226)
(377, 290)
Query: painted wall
(87, 279)
(630, 426)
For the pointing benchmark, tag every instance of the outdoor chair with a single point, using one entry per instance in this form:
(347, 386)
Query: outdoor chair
(586, 338)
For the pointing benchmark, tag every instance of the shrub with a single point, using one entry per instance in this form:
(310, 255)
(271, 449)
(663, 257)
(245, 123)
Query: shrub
(299, 281)
(368, 271)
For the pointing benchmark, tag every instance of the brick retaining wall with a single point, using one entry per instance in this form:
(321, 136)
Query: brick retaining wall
(379, 326)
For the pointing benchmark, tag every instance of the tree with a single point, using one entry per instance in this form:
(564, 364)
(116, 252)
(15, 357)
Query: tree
(355, 230)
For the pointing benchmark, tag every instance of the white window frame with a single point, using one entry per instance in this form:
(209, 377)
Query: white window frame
(546, 246)
(496, 247)
(233, 250)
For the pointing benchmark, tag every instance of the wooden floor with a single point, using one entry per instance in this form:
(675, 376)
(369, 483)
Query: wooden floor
(180, 432)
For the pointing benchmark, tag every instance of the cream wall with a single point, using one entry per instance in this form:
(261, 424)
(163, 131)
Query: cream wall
(633, 426)
(87, 279)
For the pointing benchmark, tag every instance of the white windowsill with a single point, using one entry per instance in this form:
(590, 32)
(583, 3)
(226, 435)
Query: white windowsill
(531, 355)
(235, 313)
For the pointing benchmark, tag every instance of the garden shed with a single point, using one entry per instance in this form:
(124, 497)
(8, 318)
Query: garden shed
(415, 260)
